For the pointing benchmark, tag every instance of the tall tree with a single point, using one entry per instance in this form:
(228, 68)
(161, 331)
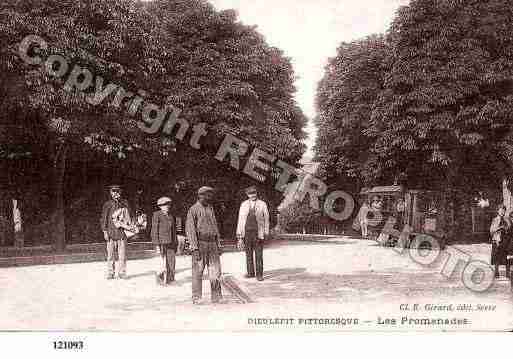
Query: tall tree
(447, 102)
(180, 52)
(345, 99)
(96, 35)
(223, 73)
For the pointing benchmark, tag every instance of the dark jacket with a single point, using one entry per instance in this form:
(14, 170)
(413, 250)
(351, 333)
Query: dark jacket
(501, 246)
(163, 229)
(106, 221)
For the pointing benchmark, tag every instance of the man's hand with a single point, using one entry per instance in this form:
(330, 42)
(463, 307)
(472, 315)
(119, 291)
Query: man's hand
(263, 240)
(240, 244)
(106, 236)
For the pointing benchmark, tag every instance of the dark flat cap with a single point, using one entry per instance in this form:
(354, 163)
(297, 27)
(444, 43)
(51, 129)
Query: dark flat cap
(114, 186)
(251, 189)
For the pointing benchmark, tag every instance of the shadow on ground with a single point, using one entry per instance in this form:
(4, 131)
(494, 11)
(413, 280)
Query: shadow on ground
(330, 242)
(173, 297)
(151, 273)
(297, 283)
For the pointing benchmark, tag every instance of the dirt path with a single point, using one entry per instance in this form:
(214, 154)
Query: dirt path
(353, 280)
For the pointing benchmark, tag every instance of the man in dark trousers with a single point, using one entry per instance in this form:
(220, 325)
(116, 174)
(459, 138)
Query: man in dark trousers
(252, 231)
(205, 244)
(163, 235)
(114, 235)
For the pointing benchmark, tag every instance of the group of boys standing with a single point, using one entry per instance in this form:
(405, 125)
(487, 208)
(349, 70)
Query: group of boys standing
(202, 233)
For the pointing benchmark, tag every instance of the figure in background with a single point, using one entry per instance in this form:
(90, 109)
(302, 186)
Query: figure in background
(163, 235)
(400, 208)
(205, 245)
(362, 215)
(500, 240)
(360, 223)
(252, 232)
(115, 213)
(509, 248)
(374, 216)
(141, 217)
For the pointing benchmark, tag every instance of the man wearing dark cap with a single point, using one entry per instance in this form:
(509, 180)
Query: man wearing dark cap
(205, 244)
(115, 236)
(252, 231)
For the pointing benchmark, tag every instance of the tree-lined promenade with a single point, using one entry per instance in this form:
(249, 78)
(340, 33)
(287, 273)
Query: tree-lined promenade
(428, 105)
(430, 102)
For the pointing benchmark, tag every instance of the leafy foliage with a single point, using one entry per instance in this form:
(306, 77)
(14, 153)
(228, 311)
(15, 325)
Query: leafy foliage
(345, 100)
(445, 109)
(182, 53)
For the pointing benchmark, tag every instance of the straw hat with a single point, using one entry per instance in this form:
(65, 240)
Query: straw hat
(162, 201)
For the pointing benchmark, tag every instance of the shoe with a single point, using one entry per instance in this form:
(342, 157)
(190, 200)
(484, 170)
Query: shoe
(195, 301)
(249, 276)
(122, 276)
(260, 279)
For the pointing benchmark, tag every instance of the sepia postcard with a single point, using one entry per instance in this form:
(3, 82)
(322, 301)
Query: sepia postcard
(283, 166)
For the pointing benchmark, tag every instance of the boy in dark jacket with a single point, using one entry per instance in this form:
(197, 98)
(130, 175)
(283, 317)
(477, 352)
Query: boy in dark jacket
(163, 235)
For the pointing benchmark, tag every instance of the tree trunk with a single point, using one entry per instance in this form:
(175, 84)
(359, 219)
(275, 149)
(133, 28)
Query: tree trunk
(6, 219)
(58, 221)
(451, 224)
(506, 195)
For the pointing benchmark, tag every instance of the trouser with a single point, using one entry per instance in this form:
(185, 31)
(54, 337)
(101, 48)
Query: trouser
(253, 245)
(363, 226)
(208, 256)
(168, 262)
(120, 247)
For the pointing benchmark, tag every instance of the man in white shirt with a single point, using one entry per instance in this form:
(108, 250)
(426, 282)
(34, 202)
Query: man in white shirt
(252, 231)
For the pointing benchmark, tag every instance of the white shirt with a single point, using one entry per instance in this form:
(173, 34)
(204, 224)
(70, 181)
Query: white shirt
(262, 217)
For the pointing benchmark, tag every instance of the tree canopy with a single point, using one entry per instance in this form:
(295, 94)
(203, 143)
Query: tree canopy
(440, 110)
(345, 100)
(181, 53)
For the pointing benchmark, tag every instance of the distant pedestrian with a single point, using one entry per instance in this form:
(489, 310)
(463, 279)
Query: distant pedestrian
(205, 244)
(252, 232)
(362, 217)
(114, 234)
(374, 216)
(509, 249)
(500, 240)
(141, 217)
(163, 235)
